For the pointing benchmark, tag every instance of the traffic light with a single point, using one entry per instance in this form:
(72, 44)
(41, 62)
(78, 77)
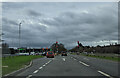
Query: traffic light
(78, 42)
(56, 42)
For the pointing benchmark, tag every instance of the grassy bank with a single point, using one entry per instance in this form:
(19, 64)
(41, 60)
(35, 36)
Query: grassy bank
(102, 56)
(11, 64)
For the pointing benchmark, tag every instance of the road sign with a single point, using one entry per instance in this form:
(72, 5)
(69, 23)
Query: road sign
(50, 49)
(21, 49)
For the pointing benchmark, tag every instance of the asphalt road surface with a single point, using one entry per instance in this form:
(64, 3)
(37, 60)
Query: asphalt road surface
(71, 65)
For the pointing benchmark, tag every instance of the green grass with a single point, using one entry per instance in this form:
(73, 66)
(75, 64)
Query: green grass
(16, 62)
(104, 57)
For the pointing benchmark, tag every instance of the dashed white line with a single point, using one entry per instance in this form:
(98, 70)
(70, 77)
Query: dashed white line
(43, 65)
(74, 59)
(35, 71)
(85, 58)
(63, 59)
(29, 76)
(40, 67)
(49, 61)
(46, 63)
(84, 63)
(105, 74)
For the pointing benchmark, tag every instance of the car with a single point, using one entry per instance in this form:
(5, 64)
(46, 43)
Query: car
(64, 53)
(50, 54)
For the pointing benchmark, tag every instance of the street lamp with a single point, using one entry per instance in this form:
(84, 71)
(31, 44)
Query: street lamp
(20, 33)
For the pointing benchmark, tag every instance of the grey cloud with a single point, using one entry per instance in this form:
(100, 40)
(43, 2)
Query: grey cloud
(8, 21)
(33, 13)
(67, 27)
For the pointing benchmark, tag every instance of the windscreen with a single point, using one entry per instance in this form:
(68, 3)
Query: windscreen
(50, 53)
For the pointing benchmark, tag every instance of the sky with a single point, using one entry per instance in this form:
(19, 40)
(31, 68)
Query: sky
(44, 23)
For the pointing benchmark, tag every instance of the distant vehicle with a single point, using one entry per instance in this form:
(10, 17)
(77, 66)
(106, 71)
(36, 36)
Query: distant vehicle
(50, 54)
(32, 53)
(64, 53)
(37, 54)
(55, 54)
(78, 53)
(44, 53)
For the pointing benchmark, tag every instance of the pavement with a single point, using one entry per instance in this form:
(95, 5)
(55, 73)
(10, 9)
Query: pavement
(71, 65)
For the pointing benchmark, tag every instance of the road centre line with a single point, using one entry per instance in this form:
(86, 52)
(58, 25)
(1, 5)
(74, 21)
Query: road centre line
(44, 65)
(63, 59)
(105, 74)
(29, 76)
(74, 59)
(36, 71)
(40, 67)
(84, 63)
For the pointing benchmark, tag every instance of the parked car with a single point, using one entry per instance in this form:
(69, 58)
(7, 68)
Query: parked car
(64, 53)
(32, 53)
(50, 54)
(23, 54)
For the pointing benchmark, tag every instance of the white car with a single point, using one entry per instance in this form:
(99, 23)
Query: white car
(32, 53)
(22, 54)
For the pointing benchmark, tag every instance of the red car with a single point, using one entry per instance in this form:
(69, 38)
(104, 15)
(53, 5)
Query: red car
(50, 54)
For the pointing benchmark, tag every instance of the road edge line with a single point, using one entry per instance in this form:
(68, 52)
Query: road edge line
(104, 74)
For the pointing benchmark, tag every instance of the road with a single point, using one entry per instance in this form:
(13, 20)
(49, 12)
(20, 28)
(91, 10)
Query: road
(71, 65)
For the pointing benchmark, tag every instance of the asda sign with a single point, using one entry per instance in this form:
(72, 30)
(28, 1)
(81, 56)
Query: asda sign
(21, 49)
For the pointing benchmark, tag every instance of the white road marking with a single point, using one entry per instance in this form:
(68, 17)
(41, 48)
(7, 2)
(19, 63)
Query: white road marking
(46, 63)
(4, 66)
(74, 59)
(71, 57)
(63, 59)
(35, 71)
(105, 74)
(29, 76)
(40, 67)
(43, 65)
(85, 58)
(84, 63)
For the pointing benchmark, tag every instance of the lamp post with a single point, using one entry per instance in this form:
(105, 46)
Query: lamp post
(20, 33)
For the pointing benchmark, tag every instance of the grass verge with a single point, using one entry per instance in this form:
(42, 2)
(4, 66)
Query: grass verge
(103, 57)
(117, 59)
(10, 64)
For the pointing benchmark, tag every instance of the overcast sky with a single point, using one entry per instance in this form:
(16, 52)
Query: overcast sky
(65, 22)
